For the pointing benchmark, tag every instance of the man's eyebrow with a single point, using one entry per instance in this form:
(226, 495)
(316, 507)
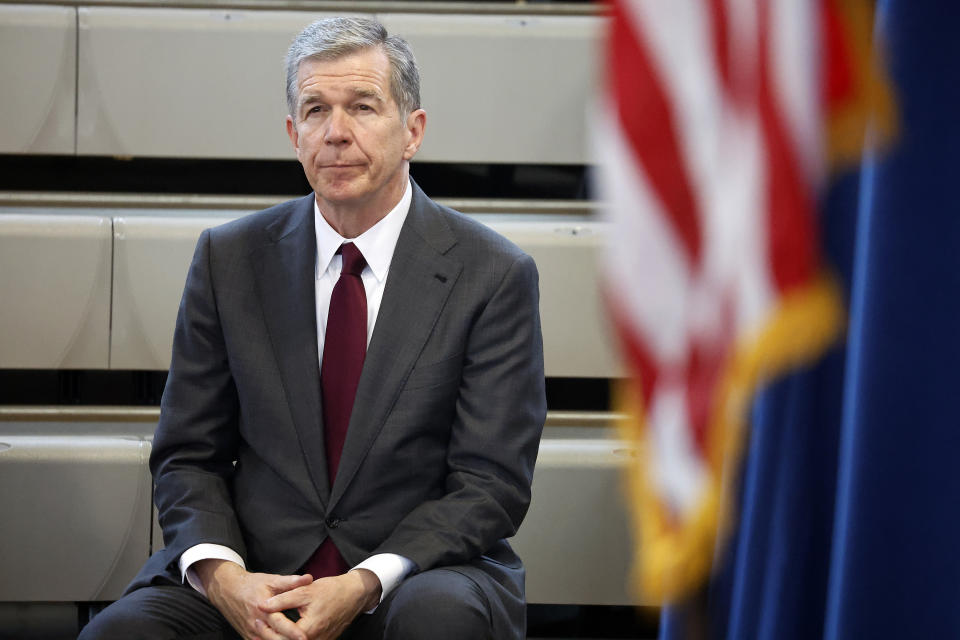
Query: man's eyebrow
(368, 93)
(310, 99)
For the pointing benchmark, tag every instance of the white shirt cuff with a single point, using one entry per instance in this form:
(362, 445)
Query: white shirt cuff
(390, 569)
(204, 551)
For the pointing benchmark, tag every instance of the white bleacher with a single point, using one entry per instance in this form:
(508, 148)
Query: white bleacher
(208, 84)
(38, 47)
(152, 253)
(76, 505)
(54, 291)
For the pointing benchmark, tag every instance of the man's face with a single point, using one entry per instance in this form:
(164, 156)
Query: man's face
(350, 137)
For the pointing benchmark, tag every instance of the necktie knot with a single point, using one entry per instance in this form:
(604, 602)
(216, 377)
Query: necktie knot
(353, 260)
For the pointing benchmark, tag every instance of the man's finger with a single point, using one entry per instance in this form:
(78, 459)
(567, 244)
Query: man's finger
(311, 627)
(319, 627)
(279, 627)
(266, 633)
(279, 584)
(283, 625)
(286, 600)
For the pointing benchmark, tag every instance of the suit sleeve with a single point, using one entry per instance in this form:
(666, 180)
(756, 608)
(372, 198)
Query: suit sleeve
(495, 436)
(196, 440)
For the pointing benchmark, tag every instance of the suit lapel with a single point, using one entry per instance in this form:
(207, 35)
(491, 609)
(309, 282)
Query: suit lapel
(420, 280)
(285, 284)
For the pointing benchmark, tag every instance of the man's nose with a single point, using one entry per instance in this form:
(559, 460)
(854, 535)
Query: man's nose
(338, 128)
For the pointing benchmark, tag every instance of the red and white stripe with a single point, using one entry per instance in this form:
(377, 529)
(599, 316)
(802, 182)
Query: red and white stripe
(709, 140)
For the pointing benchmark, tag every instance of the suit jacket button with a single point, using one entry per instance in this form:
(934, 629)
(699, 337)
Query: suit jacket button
(332, 523)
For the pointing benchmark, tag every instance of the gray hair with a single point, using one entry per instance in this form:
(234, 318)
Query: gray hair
(332, 38)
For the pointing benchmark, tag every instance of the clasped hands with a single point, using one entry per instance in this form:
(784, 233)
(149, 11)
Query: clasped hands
(253, 603)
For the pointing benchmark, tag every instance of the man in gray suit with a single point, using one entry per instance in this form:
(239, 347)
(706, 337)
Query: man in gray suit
(396, 527)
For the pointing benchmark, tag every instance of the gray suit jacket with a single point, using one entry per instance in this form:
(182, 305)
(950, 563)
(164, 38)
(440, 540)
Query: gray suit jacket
(444, 433)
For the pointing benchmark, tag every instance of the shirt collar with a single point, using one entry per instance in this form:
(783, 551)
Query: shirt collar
(376, 243)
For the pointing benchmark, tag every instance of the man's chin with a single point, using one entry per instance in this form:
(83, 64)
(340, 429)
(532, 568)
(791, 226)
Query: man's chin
(340, 190)
(342, 195)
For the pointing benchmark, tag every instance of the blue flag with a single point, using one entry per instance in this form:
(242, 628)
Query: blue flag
(850, 489)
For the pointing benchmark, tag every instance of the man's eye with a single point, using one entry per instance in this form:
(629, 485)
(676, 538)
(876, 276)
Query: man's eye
(364, 107)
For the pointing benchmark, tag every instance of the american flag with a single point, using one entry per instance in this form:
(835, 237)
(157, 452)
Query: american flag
(712, 139)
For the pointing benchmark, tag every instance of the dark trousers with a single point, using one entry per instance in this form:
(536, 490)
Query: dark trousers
(441, 603)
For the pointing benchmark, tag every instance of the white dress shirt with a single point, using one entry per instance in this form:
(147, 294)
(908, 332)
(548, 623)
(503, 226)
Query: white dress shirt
(376, 244)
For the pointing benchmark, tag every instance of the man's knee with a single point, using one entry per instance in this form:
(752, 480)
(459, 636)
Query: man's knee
(158, 613)
(438, 604)
(122, 620)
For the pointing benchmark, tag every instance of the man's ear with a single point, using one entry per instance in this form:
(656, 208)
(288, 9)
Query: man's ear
(293, 135)
(416, 124)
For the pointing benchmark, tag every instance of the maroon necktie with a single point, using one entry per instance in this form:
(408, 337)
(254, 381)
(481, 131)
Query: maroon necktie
(344, 347)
